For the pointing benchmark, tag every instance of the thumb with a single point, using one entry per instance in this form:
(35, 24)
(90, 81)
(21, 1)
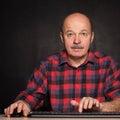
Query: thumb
(74, 103)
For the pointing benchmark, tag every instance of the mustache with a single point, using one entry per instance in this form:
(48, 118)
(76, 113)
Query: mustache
(77, 47)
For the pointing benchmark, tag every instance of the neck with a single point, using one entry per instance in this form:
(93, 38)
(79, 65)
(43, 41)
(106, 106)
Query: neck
(76, 62)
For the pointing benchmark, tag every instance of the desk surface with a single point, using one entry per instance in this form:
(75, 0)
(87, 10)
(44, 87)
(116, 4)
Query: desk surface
(2, 117)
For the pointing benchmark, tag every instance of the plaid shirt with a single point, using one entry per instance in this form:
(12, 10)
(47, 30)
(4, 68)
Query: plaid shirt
(98, 77)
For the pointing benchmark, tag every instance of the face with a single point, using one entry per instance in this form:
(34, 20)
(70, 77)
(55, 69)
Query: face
(77, 36)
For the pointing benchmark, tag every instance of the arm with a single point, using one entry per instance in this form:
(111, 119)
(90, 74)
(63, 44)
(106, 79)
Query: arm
(112, 106)
(112, 88)
(32, 97)
(36, 89)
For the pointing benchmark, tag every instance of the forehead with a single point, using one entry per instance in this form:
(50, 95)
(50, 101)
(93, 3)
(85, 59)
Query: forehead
(76, 22)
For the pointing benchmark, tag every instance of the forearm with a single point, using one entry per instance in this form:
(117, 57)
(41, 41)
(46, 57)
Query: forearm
(112, 106)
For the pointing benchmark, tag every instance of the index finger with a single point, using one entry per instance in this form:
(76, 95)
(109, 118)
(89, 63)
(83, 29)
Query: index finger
(10, 109)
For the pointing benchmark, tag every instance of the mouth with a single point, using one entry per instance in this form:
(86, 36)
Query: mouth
(77, 49)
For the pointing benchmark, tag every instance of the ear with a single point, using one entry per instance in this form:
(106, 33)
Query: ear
(92, 37)
(61, 37)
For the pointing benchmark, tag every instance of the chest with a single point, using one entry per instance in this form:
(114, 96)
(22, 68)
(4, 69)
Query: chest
(85, 81)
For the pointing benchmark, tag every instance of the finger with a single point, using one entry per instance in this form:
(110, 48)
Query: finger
(19, 107)
(81, 104)
(77, 104)
(9, 110)
(25, 113)
(12, 107)
(86, 103)
(6, 111)
(74, 103)
(26, 109)
(97, 103)
(91, 103)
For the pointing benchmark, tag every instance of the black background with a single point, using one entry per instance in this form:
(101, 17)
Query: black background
(30, 33)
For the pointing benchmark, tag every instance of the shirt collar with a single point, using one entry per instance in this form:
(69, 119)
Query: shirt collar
(92, 55)
(63, 57)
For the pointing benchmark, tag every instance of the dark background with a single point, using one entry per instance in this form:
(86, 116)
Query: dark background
(30, 33)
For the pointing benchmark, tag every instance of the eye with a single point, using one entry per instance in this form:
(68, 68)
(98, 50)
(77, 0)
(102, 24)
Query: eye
(70, 34)
(84, 34)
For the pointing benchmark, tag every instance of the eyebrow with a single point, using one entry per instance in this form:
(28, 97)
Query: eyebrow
(84, 30)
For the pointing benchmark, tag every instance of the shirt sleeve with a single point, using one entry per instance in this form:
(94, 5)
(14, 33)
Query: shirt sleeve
(36, 88)
(112, 85)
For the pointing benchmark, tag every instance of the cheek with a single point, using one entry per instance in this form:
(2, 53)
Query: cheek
(68, 43)
(87, 45)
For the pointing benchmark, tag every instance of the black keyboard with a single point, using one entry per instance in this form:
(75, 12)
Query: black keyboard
(45, 114)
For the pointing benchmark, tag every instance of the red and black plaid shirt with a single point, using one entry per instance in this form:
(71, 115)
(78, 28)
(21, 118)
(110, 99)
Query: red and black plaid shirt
(98, 77)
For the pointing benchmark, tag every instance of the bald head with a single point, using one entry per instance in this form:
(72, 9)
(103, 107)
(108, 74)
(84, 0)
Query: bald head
(77, 18)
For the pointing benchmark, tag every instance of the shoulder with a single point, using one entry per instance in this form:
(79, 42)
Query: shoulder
(105, 59)
(101, 55)
(52, 59)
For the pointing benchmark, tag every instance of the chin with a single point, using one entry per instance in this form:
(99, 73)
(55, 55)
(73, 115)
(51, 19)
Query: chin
(77, 56)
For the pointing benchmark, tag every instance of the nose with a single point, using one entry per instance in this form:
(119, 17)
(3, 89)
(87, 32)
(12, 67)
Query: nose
(77, 39)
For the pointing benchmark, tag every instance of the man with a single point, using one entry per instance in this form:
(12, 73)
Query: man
(77, 78)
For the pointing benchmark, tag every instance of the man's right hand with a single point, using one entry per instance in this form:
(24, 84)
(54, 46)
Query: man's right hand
(20, 105)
